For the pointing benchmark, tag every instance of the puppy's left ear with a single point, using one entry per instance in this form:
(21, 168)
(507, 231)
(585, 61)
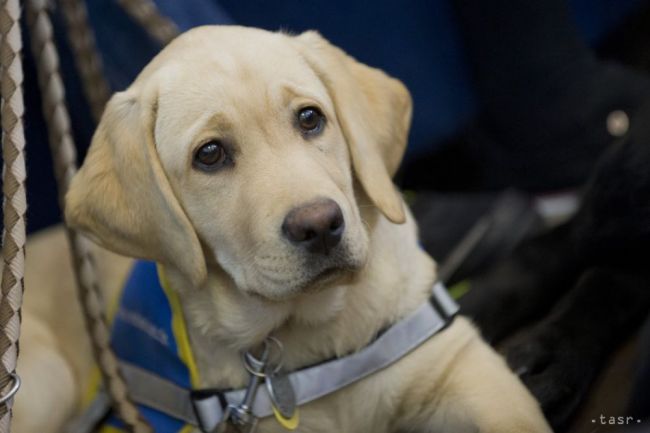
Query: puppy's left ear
(374, 112)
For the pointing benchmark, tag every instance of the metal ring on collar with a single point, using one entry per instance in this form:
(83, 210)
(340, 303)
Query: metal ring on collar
(13, 390)
(256, 366)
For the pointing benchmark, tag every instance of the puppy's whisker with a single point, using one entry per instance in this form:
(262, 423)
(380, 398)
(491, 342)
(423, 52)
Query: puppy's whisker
(252, 252)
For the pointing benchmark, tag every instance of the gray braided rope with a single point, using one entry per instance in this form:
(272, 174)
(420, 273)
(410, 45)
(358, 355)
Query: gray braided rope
(15, 200)
(86, 55)
(64, 155)
(145, 13)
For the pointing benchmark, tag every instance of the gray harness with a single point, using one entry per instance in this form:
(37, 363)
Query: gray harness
(207, 409)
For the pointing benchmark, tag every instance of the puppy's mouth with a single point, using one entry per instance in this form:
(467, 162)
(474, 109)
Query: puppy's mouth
(323, 279)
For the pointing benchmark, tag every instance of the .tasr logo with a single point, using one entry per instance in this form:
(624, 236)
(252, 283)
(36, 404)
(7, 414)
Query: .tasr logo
(616, 420)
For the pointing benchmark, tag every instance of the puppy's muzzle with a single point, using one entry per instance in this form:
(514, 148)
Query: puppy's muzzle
(317, 226)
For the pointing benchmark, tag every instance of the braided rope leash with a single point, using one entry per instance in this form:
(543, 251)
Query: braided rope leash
(145, 13)
(64, 155)
(15, 202)
(86, 55)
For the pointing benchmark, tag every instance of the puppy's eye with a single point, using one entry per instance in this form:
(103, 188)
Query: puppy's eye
(310, 120)
(210, 156)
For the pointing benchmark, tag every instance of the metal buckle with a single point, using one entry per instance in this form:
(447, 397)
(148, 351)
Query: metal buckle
(240, 416)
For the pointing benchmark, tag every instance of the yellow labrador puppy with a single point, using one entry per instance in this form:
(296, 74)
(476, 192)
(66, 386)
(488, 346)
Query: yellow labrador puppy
(255, 168)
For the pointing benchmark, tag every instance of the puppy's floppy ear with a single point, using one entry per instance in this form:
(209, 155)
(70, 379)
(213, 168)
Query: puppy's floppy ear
(374, 111)
(121, 196)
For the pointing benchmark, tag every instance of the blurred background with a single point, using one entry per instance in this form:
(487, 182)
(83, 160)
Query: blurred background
(466, 79)
(514, 103)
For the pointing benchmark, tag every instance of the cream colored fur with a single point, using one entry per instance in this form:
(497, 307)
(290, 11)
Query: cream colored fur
(218, 237)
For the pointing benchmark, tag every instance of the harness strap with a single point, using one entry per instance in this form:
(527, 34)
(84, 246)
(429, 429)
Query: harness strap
(205, 408)
(151, 390)
(398, 341)
(442, 302)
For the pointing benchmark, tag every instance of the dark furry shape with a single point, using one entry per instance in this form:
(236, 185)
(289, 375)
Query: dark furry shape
(523, 287)
(613, 224)
(592, 274)
(559, 357)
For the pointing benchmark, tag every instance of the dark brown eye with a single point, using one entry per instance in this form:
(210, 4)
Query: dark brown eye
(210, 156)
(310, 120)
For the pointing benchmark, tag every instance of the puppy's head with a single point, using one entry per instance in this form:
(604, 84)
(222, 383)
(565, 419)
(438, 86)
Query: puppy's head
(249, 152)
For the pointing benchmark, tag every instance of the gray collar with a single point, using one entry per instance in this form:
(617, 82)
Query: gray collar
(206, 409)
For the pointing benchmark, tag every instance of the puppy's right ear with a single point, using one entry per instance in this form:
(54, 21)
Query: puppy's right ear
(121, 196)
(374, 112)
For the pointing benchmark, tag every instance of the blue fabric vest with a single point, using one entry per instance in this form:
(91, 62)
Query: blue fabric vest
(149, 332)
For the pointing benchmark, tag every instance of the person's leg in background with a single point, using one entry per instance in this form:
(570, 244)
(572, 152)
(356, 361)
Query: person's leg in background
(545, 100)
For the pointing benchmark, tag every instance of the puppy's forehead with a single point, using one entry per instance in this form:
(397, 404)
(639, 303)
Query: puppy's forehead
(234, 53)
(222, 66)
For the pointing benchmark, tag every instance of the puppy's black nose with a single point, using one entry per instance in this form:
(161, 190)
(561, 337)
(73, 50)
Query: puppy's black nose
(316, 226)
